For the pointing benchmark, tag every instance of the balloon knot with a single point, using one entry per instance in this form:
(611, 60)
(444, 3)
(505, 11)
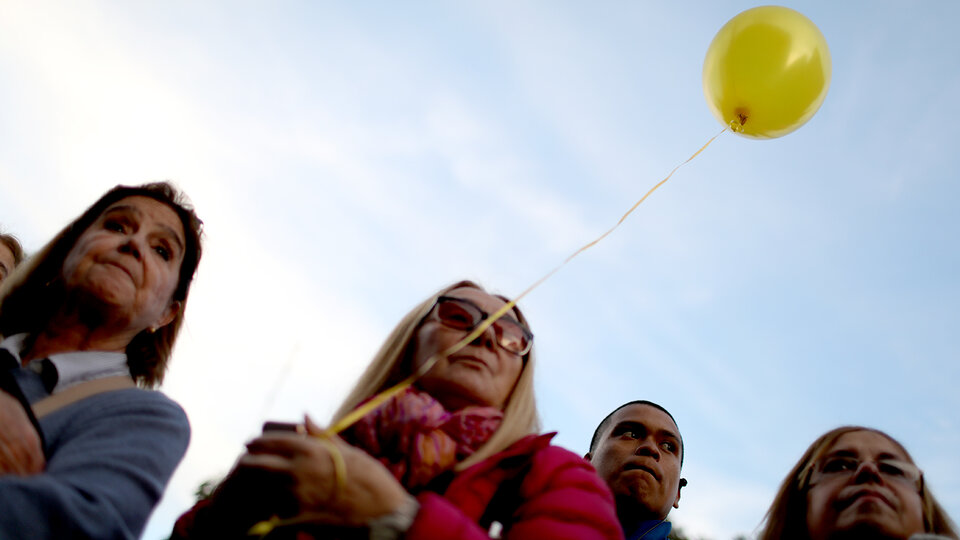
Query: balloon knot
(736, 124)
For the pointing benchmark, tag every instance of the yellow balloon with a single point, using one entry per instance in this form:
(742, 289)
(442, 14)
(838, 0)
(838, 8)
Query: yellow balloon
(767, 72)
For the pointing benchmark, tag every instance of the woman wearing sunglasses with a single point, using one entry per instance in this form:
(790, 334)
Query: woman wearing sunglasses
(455, 456)
(855, 482)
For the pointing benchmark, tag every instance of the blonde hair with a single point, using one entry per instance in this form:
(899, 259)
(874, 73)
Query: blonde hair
(392, 364)
(787, 517)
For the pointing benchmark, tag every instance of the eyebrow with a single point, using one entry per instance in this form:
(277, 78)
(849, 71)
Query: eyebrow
(123, 208)
(626, 424)
(634, 424)
(134, 210)
(173, 234)
(843, 452)
(503, 317)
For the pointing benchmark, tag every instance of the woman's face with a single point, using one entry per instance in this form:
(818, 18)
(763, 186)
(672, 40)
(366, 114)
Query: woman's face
(127, 264)
(856, 487)
(482, 373)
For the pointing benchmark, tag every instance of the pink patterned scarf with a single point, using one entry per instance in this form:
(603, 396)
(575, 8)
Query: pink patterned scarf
(417, 439)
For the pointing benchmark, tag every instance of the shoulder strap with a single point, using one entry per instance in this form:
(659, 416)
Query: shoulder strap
(80, 391)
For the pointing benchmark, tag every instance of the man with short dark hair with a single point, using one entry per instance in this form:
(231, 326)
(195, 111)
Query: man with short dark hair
(638, 451)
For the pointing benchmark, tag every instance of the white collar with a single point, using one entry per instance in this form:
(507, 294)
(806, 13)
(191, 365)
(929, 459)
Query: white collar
(76, 366)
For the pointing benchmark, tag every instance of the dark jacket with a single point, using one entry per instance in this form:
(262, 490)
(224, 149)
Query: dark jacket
(656, 529)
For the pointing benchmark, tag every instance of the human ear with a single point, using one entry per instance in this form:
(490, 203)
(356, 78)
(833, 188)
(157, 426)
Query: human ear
(683, 483)
(168, 315)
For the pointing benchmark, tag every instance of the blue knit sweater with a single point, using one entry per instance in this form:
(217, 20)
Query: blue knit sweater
(109, 458)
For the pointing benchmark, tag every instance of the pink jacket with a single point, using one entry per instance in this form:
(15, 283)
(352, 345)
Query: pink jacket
(534, 490)
(559, 496)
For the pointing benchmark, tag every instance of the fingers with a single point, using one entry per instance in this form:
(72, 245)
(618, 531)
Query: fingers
(279, 443)
(332, 481)
(285, 451)
(20, 450)
(310, 460)
(8, 463)
(20, 457)
(6, 399)
(267, 462)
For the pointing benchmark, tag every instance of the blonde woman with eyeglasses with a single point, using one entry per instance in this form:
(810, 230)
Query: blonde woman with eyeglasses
(855, 483)
(456, 456)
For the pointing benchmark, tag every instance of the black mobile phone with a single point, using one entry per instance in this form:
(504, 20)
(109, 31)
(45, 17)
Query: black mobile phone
(284, 426)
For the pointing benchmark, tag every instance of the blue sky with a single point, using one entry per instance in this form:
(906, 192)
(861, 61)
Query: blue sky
(350, 158)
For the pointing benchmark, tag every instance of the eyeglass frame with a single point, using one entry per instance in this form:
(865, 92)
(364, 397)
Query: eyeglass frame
(484, 316)
(815, 472)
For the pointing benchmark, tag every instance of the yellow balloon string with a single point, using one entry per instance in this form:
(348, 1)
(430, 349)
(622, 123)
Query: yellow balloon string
(339, 466)
(264, 527)
(385, 395)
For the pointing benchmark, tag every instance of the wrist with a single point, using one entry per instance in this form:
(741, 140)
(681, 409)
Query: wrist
(392, 526)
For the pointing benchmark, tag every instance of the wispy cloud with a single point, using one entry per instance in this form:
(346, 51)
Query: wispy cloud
(348, 160)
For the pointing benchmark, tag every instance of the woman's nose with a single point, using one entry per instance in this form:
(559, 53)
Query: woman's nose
(488, 338)
(866, 471)
(131, 247)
